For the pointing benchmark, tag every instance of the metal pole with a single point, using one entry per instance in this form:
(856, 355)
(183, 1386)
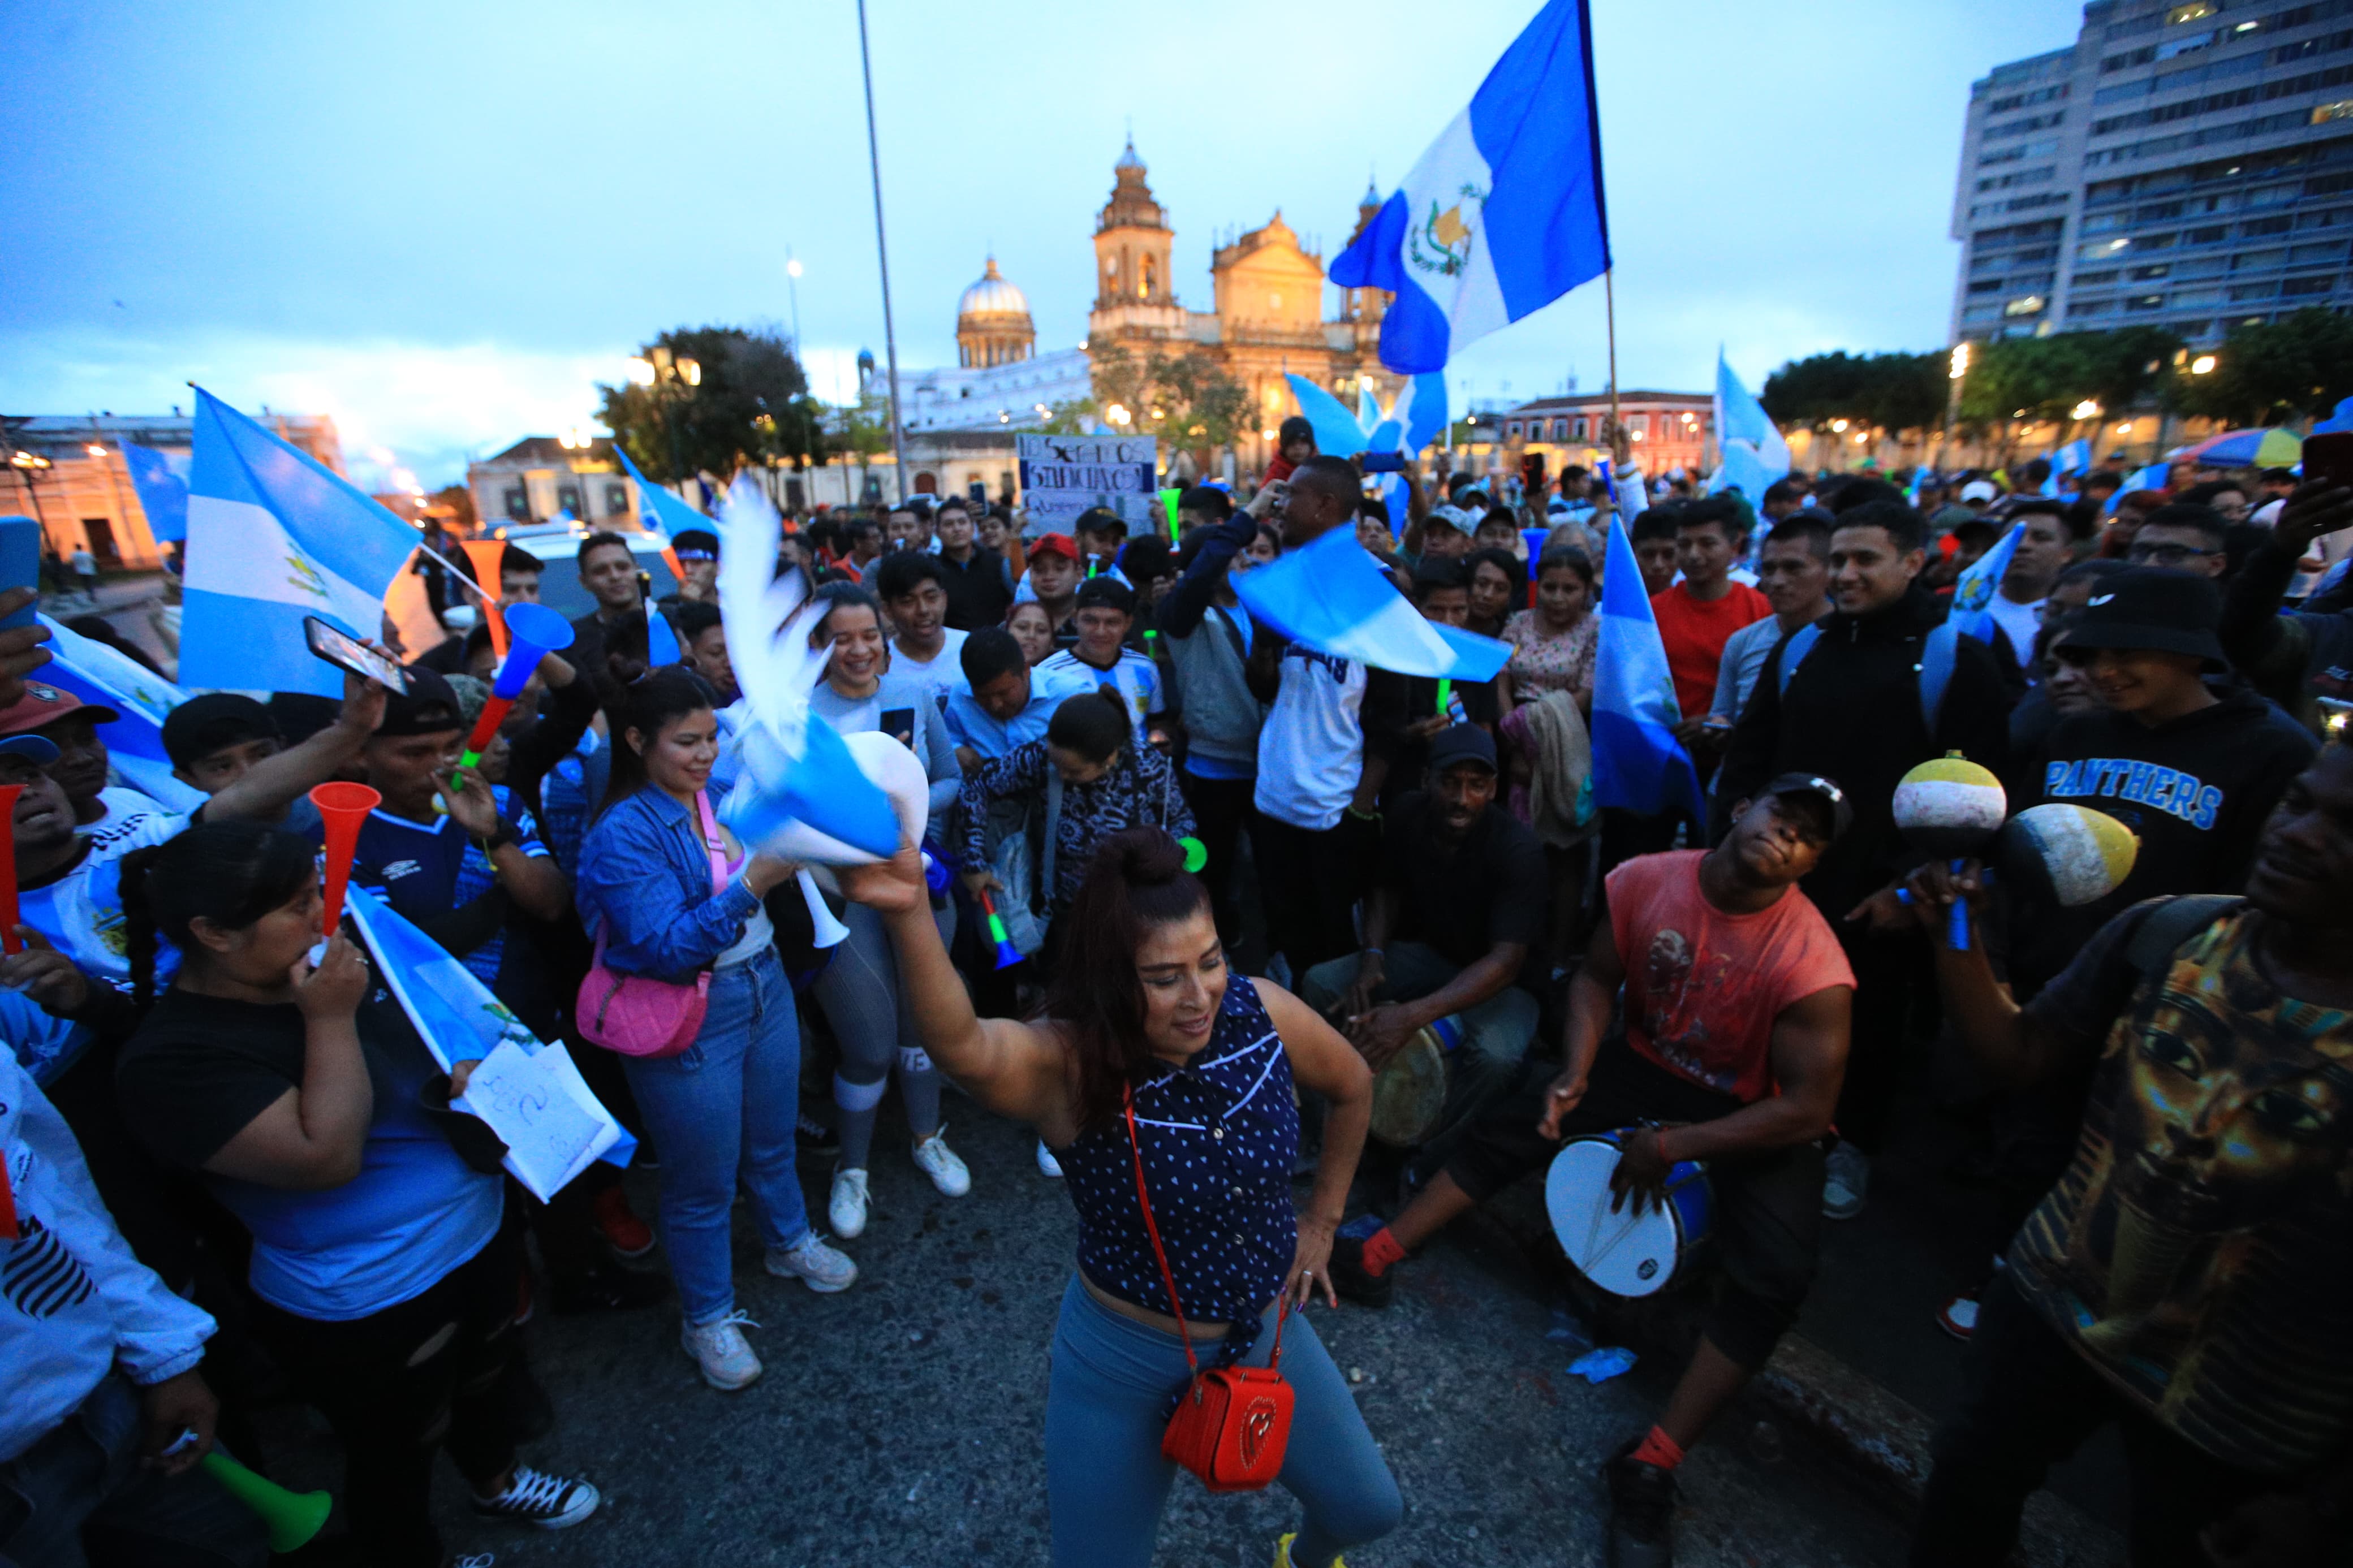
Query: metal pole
(883, 253)
(1609, 304)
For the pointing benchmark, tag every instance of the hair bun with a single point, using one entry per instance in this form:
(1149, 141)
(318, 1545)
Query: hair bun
(1142, 857)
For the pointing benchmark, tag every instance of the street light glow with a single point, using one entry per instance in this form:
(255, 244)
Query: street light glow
(792, 268)
(95, 450)
(1117, 413)
(2203, 364)
(690, 371)
(641, 370)
(2087, 409)
(1960, 361)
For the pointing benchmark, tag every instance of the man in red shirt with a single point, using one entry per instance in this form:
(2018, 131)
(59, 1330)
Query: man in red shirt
(1736, 1004)
(1698, 616)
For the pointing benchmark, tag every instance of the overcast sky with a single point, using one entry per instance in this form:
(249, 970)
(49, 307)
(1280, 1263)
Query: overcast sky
(442, 224)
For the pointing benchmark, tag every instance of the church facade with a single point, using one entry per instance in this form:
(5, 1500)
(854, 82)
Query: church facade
(1267, 318)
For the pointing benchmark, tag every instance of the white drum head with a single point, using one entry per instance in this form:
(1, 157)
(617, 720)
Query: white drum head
(1623, 1254)
(1409, 1094)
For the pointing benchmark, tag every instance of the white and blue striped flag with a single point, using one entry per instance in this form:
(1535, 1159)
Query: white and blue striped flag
(1638, 763)
(273, 536)
(1504, 213)
(1972, 612)
(667, 512)
(1332, 597)
(108, 677)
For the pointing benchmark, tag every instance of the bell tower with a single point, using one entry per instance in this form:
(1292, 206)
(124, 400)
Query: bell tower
(1132, 241)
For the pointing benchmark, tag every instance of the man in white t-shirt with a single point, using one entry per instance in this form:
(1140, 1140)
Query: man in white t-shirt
(1317, 773)
(925, 650)
(2044, 551)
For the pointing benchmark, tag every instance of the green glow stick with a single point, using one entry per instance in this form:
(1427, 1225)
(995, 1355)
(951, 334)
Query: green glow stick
(1168, 500)
(1445, 692)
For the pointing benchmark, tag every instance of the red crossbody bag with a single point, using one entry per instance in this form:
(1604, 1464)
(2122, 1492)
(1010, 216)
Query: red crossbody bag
(1232, 1424)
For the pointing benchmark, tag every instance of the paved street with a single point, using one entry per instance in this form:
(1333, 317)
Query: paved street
(900, 1422)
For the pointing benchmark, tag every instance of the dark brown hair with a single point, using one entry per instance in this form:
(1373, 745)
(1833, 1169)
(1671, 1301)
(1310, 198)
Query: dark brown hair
(1136, 880)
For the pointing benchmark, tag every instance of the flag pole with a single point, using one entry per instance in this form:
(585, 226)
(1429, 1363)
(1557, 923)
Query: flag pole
(1610, 306)
(882, 253)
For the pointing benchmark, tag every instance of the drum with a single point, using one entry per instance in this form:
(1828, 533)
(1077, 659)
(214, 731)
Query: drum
(1624, 1253)
(1409, 1093)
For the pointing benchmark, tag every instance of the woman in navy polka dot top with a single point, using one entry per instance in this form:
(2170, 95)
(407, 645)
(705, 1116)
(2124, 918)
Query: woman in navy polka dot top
(1145, 1013)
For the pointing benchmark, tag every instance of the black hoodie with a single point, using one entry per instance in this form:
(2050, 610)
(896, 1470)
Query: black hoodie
(1852, 715)
(2196, 791)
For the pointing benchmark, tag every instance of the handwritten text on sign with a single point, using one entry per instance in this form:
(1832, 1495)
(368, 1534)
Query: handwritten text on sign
(1062, 476)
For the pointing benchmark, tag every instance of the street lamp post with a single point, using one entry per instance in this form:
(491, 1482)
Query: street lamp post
(1958, 373)
(27, 467)
(793, 288)
(883, 255)
(667, 374)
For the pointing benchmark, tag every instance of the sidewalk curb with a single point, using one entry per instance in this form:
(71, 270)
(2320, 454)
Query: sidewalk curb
(1882, 1438)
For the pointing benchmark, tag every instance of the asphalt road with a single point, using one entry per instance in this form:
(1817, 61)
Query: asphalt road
(899, 1424)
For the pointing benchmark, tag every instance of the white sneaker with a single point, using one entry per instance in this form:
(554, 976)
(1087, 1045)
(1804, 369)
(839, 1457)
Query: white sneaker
(727, 1362)
(1846, 1183)
(543, 1501)
(1047, 1164)
(822, 1268)
(937, 1160)
(846, 1211)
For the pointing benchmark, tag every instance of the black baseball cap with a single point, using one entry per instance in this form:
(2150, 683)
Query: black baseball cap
(1842, 809)
(695, 544)
(2156, 608)
(427, 706)
(1107, 593)
(203, 725)
(1100, 519)
(1461, 743)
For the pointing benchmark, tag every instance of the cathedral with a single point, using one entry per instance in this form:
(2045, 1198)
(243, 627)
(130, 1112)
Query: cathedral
(1266, 290)
(1267, 321)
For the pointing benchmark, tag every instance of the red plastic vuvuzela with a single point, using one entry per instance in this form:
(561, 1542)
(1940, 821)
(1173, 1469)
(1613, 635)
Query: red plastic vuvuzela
(345, 806)
(9, 940)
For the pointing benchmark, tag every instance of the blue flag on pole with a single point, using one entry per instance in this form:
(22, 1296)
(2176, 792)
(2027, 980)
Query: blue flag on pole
(2151, 477)
(1638, 763)
(1505, 213)
(275, 536)
(669, 513)
(1333, 598)
(163, 492)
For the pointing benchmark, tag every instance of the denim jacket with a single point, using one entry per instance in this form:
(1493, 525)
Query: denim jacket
(645, 875)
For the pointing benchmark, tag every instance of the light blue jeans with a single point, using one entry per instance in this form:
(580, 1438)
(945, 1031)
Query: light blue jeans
(729, 1100)
(1114, 1384)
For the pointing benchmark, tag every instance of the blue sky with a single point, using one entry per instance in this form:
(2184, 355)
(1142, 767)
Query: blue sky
(443, 223)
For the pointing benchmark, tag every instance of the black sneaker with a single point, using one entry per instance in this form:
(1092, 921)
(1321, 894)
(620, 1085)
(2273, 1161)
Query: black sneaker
(1642, 1500)
(814, 1137)
(1350, 1278)
(540, 1500)
(608, 1289)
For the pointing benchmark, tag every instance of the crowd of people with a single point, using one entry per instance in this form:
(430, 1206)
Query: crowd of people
(234, 1172)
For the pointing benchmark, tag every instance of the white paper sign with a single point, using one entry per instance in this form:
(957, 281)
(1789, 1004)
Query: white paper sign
(537, 1103)
(1062, 476)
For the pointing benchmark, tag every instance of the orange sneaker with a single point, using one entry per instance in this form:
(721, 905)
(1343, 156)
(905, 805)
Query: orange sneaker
(623, 1231)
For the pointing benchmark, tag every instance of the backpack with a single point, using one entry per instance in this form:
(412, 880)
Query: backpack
(1938, 655)
(2164, 928)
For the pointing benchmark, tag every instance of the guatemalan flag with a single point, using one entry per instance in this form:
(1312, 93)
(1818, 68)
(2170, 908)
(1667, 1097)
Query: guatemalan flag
(1505, 213)
(274, 536)
(1638, 763)
(162, 487)
(673, 515)
(1972, 608)
(1333, 597)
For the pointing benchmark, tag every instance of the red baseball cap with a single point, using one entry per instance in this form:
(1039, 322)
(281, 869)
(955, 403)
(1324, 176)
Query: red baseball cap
(1061, 544)
(43, 704)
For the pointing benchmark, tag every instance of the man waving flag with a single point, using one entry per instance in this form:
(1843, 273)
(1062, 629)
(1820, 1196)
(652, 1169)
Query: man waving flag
(1505, 213)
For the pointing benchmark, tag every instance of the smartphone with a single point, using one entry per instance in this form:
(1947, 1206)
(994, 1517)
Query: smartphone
(899, 723)
(2329, 456)
(20, 564)
(346, 651)
(1385, 462)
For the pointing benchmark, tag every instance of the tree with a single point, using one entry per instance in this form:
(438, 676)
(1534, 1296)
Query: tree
(460, 499)
(1884, 392)
(2272, 373)
(750, 407)
(1072, 416)
(1185, 399)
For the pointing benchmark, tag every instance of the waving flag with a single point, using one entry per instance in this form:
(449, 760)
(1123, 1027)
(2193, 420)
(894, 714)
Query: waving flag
(1504, 213)
(2074, 458)
(526, 1089)
(162, 490)
(112, 679)
(1638, 763)
(671, 514)
(1333, 598)
(274, 536)
(2151, 477)
(1972, 611)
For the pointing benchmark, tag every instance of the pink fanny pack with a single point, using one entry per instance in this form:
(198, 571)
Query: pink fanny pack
(640, 1016)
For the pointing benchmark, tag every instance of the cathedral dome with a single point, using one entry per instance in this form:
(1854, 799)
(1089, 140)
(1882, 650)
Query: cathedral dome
(993, 296)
